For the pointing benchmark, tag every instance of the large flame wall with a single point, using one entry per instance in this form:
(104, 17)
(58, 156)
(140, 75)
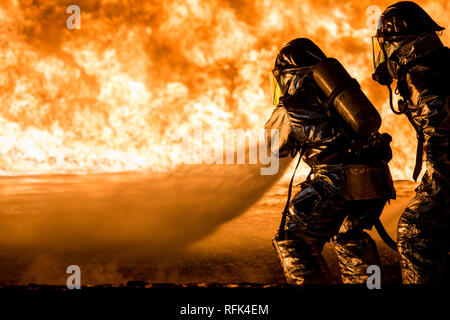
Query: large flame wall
(117, 94)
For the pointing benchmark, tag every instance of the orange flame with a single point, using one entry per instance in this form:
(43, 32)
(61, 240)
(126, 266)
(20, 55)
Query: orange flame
(116, 94)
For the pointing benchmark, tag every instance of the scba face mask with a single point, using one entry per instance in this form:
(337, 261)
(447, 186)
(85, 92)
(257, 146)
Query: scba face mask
(279, 83)
(379, 52)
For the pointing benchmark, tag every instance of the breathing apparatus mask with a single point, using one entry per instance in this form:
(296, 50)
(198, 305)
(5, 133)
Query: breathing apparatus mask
(380, 64)
(279, 84)
(385, 65)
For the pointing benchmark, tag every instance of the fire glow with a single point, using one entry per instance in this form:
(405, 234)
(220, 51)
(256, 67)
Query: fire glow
(114, 95)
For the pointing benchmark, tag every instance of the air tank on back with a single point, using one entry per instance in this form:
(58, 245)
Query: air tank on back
(345, 95)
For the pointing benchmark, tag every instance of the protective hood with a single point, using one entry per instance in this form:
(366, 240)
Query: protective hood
(413, 48)
(294, 59)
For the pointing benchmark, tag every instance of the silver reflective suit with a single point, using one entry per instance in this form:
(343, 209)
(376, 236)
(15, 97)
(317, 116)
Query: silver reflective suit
(345, 195)
(424, 227)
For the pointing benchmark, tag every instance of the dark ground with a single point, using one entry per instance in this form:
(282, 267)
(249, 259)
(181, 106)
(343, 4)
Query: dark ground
(238, 251)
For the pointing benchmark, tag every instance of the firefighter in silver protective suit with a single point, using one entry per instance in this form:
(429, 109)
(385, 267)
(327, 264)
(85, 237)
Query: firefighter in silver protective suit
(350, 181)
(407, 48)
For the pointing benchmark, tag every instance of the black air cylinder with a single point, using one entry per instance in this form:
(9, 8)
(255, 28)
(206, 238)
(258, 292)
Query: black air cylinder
(345, 95)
